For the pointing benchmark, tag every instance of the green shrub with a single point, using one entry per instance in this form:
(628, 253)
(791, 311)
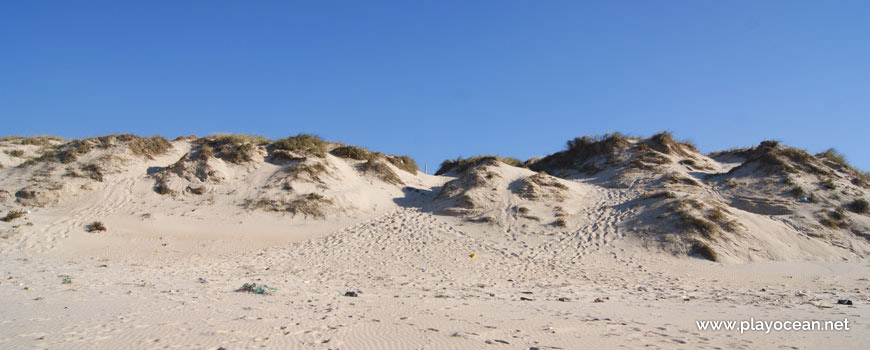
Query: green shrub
(704, 250)
(860, 206)
(96, 226)
(829, 184)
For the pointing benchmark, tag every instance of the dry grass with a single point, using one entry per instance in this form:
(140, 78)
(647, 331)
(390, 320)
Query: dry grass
(308, 170)
(719, 217)
(860, 206)
(94, 171)
(405, 163)
(352, 152)
(96, 226)
(460, 165)
(381, 170)
(33, 140)
(15, 153)
(302, 143)
(704, 250)
(237, 149)
(834, 219)
(834, 156)
(148, 147)
(798, 192)
(664, 142)
(541, 185)
(658, 194)
(311, 204)
(14, 214)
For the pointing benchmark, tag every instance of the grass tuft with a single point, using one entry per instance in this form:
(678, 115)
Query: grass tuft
(381, 170)
(96, 226)
(860, 206)
(303, 143)
(14, 214)
(460, 165)
(704, 250)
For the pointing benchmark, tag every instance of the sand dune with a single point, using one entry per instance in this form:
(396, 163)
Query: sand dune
(596, 246)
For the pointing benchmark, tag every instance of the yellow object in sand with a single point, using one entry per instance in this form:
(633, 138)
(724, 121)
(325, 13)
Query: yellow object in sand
(473, 255)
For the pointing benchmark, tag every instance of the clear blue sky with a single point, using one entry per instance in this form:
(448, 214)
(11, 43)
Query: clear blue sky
(439, 79)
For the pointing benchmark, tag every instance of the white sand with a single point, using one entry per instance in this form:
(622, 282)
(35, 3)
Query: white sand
(164, 276)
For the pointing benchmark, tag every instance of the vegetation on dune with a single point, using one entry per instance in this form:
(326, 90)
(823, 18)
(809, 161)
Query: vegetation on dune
(664, 142)
(835, 219)
(381, 170)
(15, 153)
(404, 163)
(70, 151)
(303, 143)
(460, 165)
(148, 147)
(582, 153)
(703, 250)
(42, 140)
(352, 152)
(14, 214)
(860, 206)
(96, 226)
(237, 149)
(311, 204)
(310, 170)
(834, 156)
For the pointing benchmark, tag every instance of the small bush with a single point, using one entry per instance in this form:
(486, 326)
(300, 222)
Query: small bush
(829, 184)
(560, 222)
(860, 206)
(704, 250)
(14, 214)
(351, 152)
(96, 226)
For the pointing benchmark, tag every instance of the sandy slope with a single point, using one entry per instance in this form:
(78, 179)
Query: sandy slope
(419, 290)
(165, 273)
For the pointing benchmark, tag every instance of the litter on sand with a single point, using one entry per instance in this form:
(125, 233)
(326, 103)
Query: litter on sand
(256, 288)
